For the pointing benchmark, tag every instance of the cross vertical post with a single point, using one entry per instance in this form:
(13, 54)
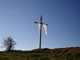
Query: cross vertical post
(40, 32)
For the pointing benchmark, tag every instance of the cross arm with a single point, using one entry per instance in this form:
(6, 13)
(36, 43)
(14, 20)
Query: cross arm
(36, 22)
(39, 23)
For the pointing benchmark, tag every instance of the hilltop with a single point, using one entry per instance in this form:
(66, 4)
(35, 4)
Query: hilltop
(59, 50)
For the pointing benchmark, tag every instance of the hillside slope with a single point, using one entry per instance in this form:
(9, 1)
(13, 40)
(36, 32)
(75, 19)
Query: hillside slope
(43, 54)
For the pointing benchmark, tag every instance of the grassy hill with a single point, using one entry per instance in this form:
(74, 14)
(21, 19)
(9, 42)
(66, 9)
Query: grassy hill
(43, 54)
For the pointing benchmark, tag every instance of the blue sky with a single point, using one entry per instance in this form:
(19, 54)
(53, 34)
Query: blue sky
(62, 16)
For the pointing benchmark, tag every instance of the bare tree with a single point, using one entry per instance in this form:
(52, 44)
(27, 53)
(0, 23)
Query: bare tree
(9, 44)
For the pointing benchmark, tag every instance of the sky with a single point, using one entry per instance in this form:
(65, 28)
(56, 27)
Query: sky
(62, 17)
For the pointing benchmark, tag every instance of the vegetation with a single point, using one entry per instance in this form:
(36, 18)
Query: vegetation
(9, 44)
(42, 54)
